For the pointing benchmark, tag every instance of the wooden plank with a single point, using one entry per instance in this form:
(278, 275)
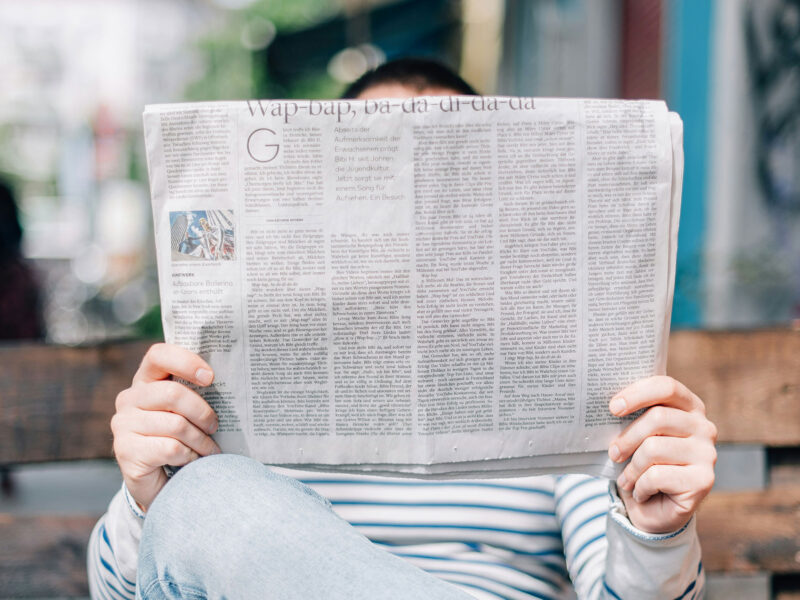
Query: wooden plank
(56, 402)
(44, 556)
(751, 531)
(749, 380)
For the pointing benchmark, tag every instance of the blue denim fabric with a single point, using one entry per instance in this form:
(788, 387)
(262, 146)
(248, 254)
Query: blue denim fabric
(226, 526)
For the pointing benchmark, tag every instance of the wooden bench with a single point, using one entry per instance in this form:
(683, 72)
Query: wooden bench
(56, 403)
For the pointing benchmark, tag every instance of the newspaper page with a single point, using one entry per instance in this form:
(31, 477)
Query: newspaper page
(437, 286)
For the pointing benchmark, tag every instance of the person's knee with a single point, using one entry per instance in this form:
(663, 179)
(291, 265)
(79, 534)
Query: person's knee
(204, 483)
(221, 494)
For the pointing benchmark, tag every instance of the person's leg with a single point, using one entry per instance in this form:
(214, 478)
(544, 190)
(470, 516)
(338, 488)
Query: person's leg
(227, 527)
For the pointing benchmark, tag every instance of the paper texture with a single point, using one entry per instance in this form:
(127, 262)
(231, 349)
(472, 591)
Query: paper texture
(437, 286)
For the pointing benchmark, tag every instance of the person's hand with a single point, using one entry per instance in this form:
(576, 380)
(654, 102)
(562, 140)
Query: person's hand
(671, 447)
(161, 422)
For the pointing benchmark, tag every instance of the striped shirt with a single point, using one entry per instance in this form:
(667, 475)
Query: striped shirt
(543, 537)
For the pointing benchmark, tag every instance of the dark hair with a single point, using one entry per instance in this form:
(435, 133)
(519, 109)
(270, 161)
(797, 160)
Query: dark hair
(10, 230)
(418, 73)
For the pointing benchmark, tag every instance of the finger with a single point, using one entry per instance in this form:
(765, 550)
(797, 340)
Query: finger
(665, 450)
(674, 480)
(177, 398)
(166, 424)
(658, 420)
(659, 389)
(164, 360)
(140, 455)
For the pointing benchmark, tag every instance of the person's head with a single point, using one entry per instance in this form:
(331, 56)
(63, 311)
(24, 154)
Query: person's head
(10, 229)
(406, 77)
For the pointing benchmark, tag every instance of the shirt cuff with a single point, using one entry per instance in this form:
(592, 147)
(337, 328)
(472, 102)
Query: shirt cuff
(132, 505)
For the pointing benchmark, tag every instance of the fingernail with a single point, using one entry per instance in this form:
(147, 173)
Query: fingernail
(614, 452)
(204, 376)
(216, 450)
(213, 428)
(636, 497)
(617, 405)
(622, 481)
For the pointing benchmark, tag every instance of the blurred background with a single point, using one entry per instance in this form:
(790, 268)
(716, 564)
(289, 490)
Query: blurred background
(76, 75)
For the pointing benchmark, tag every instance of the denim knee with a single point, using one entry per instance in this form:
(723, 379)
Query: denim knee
(224, 480)
(223, 501)
(202, 523)
(228, 527)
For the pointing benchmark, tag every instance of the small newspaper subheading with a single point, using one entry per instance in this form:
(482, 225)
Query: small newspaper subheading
(440, 287)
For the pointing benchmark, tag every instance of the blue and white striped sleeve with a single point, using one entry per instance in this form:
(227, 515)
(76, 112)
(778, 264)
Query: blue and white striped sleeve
(114, 549)
(610, 559)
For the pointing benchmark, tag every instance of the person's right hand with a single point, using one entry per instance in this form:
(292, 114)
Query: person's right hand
(162, 422)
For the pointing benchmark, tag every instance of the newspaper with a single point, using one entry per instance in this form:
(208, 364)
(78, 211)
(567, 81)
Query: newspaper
(437, 286)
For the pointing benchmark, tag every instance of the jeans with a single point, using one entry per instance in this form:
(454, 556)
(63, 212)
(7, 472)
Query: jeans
(226, 526)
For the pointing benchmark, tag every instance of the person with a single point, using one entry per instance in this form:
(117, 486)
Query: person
(20, 309)
(228, 526)
(201, 240)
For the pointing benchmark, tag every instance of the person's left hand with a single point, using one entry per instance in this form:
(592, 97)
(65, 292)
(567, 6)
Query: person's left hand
(671, 447)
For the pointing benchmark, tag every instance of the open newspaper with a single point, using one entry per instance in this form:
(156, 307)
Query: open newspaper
(437, 286)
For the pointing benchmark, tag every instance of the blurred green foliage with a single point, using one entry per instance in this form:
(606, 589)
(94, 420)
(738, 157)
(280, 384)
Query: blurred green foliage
(290, 15)
(149, 325)
(229, 70)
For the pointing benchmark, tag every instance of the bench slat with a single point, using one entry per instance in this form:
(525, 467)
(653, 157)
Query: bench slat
(751, 531)
(749, 380)
(56, 402)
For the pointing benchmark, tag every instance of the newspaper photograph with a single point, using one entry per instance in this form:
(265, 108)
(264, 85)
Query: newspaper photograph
(438, 287)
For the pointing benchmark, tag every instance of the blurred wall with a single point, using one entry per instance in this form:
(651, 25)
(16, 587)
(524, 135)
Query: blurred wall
(561, 48)
(76, 76)
(731, 69)
(752, 257)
